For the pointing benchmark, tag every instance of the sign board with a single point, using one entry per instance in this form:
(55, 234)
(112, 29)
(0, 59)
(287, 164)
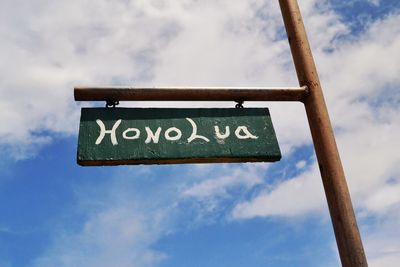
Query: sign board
(115, 136)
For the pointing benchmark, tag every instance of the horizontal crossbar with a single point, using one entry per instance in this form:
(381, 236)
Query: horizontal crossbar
(190, 93)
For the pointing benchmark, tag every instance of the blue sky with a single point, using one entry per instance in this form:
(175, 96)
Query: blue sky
(56, 213)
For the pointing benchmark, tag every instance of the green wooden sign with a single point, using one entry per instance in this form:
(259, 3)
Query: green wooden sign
(115, 136)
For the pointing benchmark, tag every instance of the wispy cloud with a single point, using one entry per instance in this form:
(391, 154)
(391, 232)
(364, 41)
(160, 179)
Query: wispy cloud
(297, 196)
(118, 229)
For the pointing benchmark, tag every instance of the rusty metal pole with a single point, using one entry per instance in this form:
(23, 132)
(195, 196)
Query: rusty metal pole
(347, 235)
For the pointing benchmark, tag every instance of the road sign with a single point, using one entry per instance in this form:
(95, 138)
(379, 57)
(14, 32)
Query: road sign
(116, 136)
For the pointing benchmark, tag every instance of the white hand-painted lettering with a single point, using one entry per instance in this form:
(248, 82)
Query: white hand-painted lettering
(219, 135)
(171, 134)
(178, 134)
(194, 134)
(136, 134)
(103, 132)
(246, 133)
(155, 137)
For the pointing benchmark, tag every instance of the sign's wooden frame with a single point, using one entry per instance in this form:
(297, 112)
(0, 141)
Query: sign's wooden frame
(347, 235)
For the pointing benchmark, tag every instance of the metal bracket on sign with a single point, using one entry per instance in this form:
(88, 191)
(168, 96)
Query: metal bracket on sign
(239, 104)
(112, 103)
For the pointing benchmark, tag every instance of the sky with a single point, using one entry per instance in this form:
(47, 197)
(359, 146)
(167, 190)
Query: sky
(56, 213)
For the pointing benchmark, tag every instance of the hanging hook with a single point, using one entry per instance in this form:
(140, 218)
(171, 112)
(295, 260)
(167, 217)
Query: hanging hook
(239, 104)
(112, 103)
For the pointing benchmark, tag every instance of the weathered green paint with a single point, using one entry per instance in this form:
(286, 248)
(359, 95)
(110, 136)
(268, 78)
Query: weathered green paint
(245, 123)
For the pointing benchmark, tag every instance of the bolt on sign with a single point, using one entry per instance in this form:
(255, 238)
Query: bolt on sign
(115, 136)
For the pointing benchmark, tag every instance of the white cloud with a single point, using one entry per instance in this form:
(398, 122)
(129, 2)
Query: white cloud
(116, 236)
(301, 164)
(298, 196)
(384, 198)
(364, 67)
(220, 182)
(118, 229)
(48, 47)
(375, 2)
(382, 239)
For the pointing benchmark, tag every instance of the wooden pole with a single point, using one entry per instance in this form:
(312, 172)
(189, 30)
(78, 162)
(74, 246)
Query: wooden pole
(190, 94)
(348, 238)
